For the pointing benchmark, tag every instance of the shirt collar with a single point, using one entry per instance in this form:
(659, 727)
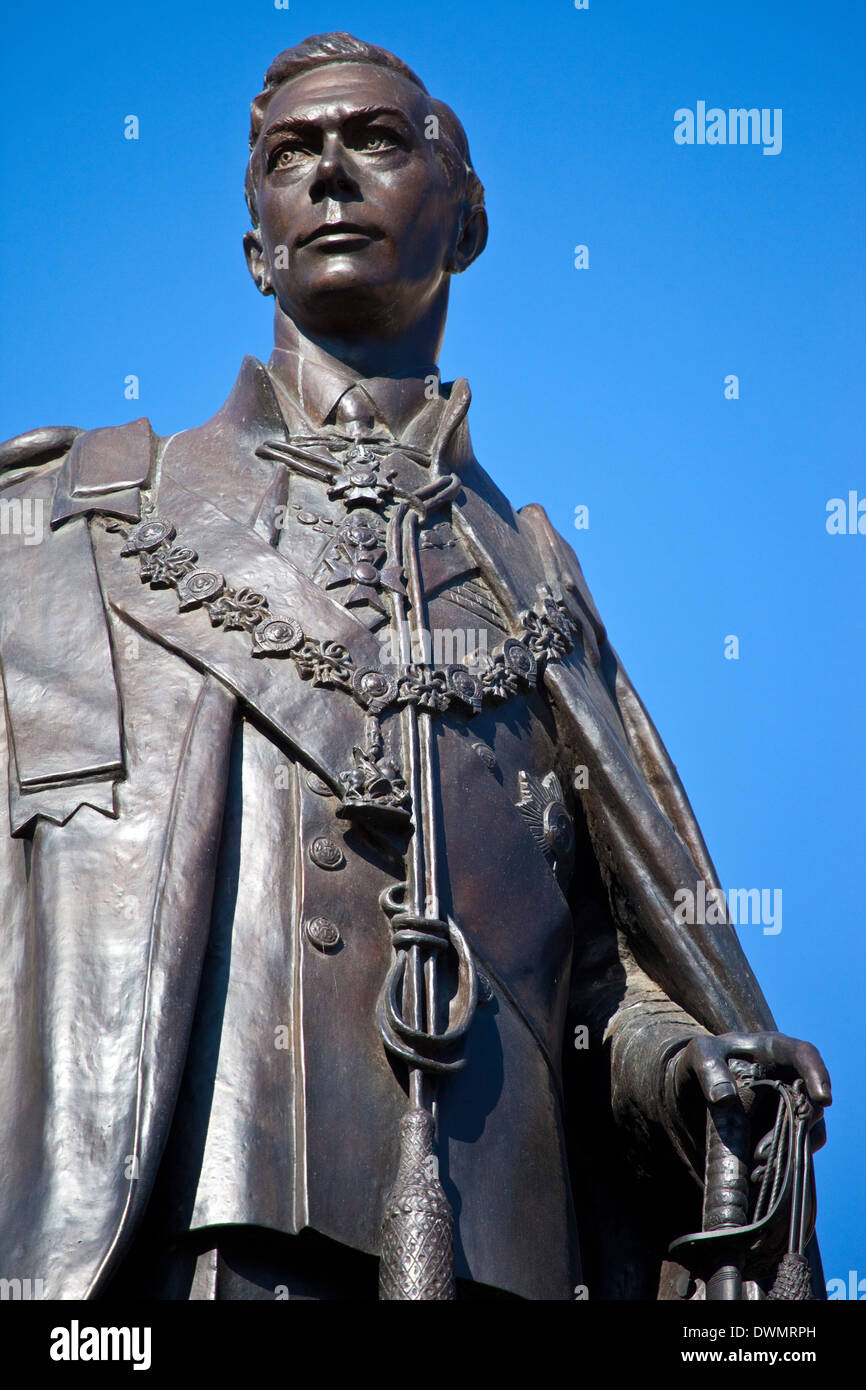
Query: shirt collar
(316, 381)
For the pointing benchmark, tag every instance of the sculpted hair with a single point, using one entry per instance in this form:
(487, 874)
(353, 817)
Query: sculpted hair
(320, 50)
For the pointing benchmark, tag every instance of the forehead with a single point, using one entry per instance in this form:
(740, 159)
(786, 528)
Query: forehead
(332, 92)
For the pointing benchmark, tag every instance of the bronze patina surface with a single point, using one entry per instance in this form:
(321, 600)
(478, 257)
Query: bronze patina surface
(340, 857)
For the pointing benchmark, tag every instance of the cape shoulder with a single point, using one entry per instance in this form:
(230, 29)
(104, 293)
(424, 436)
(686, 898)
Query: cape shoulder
(35, 447)
(65, 733)
(96, 467)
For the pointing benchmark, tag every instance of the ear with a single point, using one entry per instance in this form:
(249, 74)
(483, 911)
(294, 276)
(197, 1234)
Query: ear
(257, 261)
(471, 238)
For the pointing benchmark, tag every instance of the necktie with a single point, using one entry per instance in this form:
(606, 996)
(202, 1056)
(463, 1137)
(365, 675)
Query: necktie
(355, 414)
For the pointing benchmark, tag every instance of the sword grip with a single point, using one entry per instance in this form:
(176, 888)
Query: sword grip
(726, 1184)
(726, 1192)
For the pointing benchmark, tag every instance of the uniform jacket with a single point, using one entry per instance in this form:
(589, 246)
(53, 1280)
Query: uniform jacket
(166, 1008)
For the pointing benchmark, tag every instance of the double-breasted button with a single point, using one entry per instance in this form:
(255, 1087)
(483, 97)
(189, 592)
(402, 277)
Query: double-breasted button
(486, 754)
(326, 852)
(486, 993)
(323, 934)
(317, 784)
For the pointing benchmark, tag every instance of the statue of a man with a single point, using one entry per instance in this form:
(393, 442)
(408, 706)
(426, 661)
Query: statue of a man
(340, 953)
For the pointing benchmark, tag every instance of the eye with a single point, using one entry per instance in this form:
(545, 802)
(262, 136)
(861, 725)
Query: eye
(286, 156)
(375, 141)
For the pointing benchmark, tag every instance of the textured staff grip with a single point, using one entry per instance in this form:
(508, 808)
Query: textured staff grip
(417, 1258)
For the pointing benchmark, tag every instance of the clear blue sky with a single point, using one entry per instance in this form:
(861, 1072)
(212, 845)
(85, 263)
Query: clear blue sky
(707, 516)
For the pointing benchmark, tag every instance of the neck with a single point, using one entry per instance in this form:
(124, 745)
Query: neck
(401, 356)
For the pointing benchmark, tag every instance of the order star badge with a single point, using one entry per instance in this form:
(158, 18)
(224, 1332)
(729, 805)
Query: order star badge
(542, 806)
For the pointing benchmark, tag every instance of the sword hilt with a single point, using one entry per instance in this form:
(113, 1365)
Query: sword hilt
(726, 1184)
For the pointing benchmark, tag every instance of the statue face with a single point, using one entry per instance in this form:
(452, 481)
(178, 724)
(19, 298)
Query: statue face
(358, 221)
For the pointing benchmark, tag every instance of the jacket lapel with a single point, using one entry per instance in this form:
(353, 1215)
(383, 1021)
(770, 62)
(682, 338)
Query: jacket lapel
(219, 496)
(300, 711)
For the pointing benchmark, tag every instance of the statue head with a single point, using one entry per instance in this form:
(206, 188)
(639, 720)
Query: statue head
(361, 192)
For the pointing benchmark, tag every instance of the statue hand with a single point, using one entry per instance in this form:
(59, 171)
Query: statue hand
(705, 1059)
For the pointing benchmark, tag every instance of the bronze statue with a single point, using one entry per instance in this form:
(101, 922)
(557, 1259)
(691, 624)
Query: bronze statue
(340, 957)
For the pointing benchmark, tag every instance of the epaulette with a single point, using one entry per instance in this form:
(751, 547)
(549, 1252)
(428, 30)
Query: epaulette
(105, 471)
(102, 470)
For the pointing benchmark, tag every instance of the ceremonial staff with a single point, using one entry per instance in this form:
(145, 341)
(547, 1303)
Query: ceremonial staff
(417, 1260)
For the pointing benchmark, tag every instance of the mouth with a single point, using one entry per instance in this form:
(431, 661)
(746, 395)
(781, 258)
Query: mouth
(341, 235)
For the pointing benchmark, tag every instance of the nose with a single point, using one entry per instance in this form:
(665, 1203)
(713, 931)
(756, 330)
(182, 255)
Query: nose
(333, 177)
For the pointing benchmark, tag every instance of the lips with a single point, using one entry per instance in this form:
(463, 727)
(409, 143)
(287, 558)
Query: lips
(341, 231)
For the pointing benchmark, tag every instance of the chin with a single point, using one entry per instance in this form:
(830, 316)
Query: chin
(337, 302)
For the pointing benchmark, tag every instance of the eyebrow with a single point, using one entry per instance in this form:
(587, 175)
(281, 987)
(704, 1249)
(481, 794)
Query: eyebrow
(289, 123)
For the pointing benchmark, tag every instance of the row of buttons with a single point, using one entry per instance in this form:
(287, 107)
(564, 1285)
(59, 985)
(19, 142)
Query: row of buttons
(321, 932)
(324, 934)
(326, 853)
